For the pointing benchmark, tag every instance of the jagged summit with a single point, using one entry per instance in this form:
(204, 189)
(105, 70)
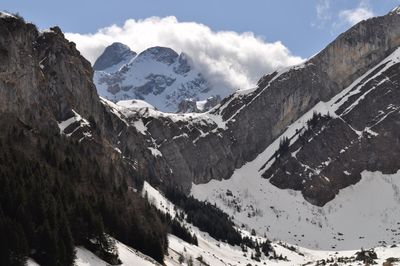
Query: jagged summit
(115, 54)
(159, 54)
(163, 78)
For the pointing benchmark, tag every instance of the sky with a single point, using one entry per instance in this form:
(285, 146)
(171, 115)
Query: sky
(231, 41)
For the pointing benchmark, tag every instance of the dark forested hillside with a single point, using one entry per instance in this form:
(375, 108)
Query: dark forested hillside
(53, 196)
(206, 217)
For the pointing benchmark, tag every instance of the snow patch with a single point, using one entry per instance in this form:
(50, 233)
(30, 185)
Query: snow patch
(158, 200)
(75, 118)
(140, 127)
(135, 104)
(155, 152)
(127, 255)
(6, 15)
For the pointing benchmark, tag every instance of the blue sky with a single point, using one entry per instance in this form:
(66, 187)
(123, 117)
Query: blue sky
(296, 23)
(233, 43)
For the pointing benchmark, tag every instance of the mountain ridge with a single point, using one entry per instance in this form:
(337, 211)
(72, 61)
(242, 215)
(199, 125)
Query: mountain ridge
(162, 77)
(281, 97)
(50, 104)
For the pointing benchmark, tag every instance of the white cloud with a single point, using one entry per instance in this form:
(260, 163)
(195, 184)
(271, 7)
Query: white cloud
(353, 16)
(226, 58)
(323, 13)
(322, 8)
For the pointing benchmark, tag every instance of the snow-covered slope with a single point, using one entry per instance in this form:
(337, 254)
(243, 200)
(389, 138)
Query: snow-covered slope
(214, 255)
(159, 76)
(362, 215)
(127, 255)
(212, 252)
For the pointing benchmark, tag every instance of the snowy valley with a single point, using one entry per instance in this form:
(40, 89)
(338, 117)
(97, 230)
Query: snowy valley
(212, 252)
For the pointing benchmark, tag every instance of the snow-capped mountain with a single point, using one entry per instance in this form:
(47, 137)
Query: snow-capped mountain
(309, 146)
(158, 75)
(305, 166)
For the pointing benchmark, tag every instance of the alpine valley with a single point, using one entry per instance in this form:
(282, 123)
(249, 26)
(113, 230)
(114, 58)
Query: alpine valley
(140, 160)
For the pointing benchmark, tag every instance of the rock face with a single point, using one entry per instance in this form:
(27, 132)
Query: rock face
(158, 75)
(59, 139)
(245, 123)
(45, 82)
(36, 68)
(188, 106)
(113, 56)
(331, 152)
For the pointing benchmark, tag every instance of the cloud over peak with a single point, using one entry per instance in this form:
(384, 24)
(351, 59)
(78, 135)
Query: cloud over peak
(353, 16)
(226, 58)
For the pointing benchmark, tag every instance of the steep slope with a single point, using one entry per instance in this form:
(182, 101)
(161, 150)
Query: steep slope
(211, 252)
(330, 181)
(50, 106)
(326, 156)
(128, 256)
(359, 134)
(199, 148)
(61, 176)
(157, 75)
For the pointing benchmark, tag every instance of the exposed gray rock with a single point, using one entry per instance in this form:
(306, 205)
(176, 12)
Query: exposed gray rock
(188, 106)
(211, 102)
(161, 54)
(155, 85)
(255, 119)
(112, 55)
(43, 78)
(183, 66)
(332, 154)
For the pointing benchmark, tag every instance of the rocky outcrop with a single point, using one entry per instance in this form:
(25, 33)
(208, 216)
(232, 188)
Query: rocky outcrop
(363, 46)
(188, 106)
(114, 55)
(37, 68)
(211, 102)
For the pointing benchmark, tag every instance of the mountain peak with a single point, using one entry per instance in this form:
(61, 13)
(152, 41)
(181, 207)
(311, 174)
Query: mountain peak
(160, 54)
(113, 55)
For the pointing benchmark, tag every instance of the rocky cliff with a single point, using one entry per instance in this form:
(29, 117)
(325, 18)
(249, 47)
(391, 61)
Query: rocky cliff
(181, 149)
(45, 82)
(360, 133)
(198, 149)
(59, 153)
